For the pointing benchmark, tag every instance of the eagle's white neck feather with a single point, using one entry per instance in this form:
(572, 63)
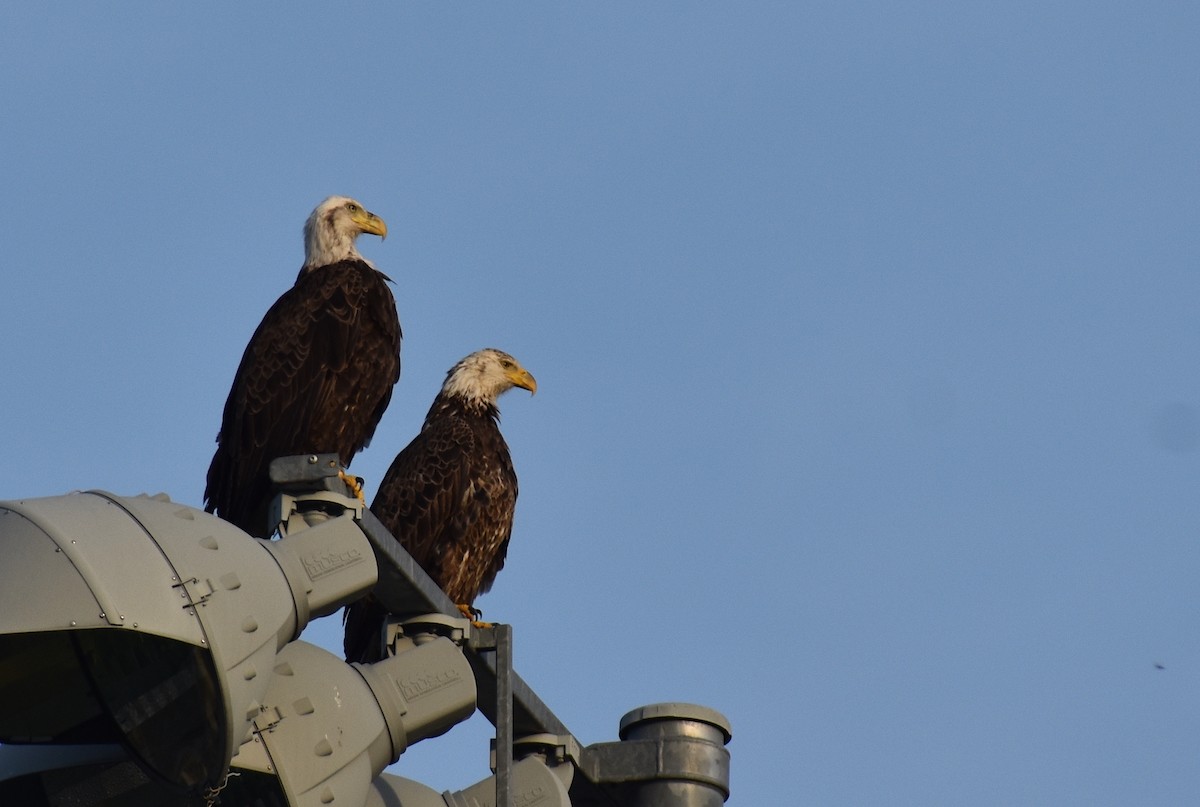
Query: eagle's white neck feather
(478, 378)
(325, 242)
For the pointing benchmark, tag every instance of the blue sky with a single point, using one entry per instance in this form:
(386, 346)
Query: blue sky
(865, 336)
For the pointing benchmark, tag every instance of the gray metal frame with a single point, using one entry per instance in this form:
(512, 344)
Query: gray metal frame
(669, 755)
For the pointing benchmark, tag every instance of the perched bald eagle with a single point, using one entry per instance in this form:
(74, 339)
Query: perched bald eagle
(449, 496)
(318, 371)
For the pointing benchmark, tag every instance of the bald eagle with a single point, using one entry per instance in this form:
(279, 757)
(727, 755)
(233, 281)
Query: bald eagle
(318, 371)
(449, 496)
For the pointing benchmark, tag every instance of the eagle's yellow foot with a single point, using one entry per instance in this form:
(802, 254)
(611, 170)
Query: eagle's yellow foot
(352, 483)
(473, 614)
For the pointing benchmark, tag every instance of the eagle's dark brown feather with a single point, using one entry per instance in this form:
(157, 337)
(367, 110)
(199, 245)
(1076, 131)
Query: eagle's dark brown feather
(315, 378)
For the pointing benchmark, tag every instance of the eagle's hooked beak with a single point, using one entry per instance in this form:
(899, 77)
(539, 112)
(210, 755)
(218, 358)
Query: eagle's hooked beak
(520, 377)
(368, 222)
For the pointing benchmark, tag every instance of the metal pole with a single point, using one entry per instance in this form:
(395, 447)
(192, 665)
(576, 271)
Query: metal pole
(504, 716)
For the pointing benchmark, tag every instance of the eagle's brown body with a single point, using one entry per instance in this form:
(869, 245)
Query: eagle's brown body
(448, 498)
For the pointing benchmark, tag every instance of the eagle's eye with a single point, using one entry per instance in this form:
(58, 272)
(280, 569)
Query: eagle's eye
(506, 364)
(353, 208)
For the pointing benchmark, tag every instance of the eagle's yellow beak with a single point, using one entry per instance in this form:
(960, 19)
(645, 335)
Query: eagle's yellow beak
(368, 222)
(520, 377)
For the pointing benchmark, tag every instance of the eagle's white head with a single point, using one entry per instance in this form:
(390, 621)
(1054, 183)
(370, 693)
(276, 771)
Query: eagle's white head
(331, 230)
(484, 375)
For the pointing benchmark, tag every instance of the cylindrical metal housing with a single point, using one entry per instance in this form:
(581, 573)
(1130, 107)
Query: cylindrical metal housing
(693, 763)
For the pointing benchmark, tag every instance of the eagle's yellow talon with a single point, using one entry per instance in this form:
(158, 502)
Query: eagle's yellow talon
(473, 614)
(352, 483)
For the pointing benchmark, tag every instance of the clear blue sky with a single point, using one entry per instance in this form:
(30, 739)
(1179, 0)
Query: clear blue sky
(865, 334)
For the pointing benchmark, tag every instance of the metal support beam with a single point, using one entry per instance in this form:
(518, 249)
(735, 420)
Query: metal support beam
(495, 642)
(504, 716)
